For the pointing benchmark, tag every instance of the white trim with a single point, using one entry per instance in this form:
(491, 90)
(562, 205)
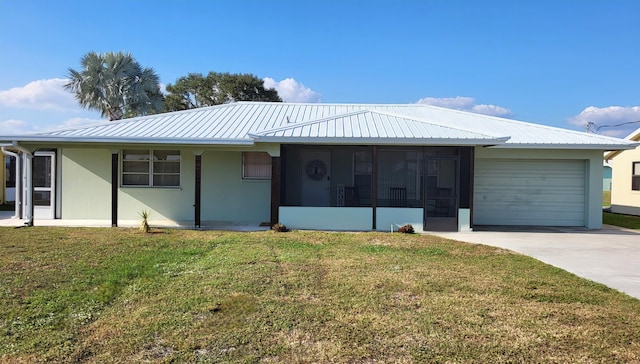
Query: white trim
(382, 141)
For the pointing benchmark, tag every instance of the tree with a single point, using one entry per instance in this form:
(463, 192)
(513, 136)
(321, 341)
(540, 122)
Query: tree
(195, 90)
(116, 85)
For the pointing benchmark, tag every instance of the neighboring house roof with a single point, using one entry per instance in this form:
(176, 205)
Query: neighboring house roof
(250, 122)
(633, 137)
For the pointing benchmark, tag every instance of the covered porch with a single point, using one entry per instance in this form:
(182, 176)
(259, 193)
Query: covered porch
(340, 187)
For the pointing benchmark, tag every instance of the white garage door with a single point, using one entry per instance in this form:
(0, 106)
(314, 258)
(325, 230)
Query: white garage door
(529, 192)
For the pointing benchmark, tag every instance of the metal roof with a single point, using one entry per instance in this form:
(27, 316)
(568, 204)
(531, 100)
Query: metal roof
(366, 126)
(633, 136)
(255, 122)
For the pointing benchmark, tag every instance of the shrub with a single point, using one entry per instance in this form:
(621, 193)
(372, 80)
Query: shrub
(281, 228)
(406, 229)
(144, 224)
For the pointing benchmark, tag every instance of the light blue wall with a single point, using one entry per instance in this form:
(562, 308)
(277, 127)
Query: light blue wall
(606, 178)
(226, 196)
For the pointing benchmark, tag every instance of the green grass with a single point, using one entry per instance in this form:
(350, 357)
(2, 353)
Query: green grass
(117, 295)
(606, 198)
(625, 221)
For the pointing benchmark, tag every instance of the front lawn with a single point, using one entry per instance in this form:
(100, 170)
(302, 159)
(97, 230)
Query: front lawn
(606, 198)
(625, 221)
(116, 295)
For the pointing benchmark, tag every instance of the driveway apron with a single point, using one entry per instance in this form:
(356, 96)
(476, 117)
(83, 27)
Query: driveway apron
(610, 256)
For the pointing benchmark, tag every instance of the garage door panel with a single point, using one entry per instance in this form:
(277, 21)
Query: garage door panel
(529, 192)
(568, 181)
(533, 196)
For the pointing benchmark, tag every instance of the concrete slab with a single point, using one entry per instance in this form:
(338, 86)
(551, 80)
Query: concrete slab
(610, 256)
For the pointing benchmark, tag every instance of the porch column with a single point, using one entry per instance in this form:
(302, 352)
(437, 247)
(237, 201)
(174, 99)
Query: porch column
(198, 189)
(275, 190)
(114, 189)
(28, 185)
(465, 205)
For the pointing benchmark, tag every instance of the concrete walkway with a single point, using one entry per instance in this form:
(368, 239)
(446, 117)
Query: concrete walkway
(610, 256)
(6, 220)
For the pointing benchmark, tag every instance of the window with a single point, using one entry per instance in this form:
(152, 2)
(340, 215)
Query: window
(635, 176)
(151, 168)
(256, 165)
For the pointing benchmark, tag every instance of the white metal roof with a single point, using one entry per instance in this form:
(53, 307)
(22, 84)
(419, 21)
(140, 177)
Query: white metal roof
(366, 126)
(255, 122)
(633, 136)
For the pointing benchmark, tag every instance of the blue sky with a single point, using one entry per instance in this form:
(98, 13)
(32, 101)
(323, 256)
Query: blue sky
(561, 63)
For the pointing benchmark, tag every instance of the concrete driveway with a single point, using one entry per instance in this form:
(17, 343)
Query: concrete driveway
(610, 256)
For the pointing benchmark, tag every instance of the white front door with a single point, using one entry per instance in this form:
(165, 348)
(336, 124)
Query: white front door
(44, 185)
(316, 179)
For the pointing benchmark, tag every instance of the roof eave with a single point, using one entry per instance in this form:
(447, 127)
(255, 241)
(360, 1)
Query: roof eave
(380, 141)
(112, 140)
(604, 147)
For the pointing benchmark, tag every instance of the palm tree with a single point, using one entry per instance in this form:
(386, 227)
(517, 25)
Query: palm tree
(116, 85)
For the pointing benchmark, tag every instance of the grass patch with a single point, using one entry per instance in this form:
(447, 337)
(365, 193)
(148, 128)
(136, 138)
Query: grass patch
(606, 198)
(625, 221)
(113, 295)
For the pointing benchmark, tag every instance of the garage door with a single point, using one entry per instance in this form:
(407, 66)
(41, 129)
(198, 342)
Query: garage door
(529, 192)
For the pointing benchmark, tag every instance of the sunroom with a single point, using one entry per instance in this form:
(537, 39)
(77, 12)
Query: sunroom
(376, 187)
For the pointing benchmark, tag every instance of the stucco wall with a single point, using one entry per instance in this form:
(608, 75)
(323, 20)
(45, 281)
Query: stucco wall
(86, 190)
(326, 218)
(623, 199)
(228, 197)
(85, 183)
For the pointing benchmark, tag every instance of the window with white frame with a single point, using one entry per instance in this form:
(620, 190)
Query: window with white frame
(256, 165)
(635, 176)
(150, 168)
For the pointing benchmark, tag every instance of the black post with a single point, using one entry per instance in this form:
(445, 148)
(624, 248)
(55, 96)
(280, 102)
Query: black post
(374, 185)
(198, 186)
(275, 190)
(114, 189)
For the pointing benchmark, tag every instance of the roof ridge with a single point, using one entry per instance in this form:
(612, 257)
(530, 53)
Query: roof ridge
(434, 123)
(364, 111)
(521, 122)
(309, 122)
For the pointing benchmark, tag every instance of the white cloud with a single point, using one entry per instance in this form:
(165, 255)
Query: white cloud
(14, 127)
(20, 127)
(466, 104)
(608, 119)
(291, 90)
(41, 95)
(73, 122)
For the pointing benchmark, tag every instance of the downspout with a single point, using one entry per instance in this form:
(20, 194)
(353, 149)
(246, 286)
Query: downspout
(18, 186)
(27, 181)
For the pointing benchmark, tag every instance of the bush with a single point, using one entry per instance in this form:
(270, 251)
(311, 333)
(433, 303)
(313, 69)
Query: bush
(281, 228)
(144, 224)
(406, 229)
